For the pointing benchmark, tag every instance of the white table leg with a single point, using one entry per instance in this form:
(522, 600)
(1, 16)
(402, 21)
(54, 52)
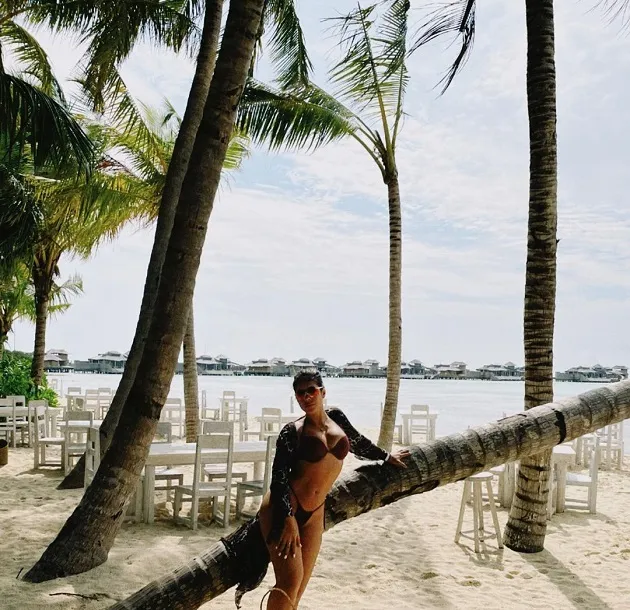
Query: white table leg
(406, 434)
(149, 494)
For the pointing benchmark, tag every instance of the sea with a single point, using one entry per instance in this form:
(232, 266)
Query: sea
(459, 403)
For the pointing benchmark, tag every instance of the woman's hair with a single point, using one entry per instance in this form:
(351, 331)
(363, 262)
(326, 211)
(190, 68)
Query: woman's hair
(310, 374)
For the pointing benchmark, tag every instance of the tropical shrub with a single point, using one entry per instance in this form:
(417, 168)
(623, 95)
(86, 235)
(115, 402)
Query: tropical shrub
(15, 379)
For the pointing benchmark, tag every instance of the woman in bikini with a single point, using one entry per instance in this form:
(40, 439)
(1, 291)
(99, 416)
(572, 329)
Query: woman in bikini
(309, 457)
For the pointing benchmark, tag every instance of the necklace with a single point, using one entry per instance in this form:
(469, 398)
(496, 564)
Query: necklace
(322, 428)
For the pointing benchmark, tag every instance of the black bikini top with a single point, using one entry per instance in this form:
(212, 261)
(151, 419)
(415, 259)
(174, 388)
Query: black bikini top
(313, 449)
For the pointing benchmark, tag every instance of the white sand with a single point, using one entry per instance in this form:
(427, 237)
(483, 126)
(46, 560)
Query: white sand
(401, 556)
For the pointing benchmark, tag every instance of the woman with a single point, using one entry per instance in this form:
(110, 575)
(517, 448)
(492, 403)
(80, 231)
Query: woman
(309, 457)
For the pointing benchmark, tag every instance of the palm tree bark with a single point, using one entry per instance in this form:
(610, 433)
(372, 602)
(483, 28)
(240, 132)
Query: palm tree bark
(446, 460)
(174, 179)
(394, 356)
(191, 379)
(87, 536)
(527, 525)
(42, 274)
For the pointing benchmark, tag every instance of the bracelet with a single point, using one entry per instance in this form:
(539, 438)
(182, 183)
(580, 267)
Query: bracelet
(387, 456)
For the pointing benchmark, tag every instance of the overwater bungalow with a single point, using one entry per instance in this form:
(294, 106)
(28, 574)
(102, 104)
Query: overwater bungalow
(109, 362)
(502, 372)
(57, 361)
(593, 374)
(276, 367)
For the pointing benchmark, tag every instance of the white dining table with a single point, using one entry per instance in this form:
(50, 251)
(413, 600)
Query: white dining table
(406, 430)
(183, 454)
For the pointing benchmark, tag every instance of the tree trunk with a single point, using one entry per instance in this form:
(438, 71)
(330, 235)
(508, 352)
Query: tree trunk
(170, 196)
(527, 525)
(446, 460)
(191, 380)
(43, 285)
(87, 536)
(388, 420)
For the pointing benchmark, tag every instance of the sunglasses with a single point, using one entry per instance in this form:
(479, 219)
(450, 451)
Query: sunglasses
(310, 391)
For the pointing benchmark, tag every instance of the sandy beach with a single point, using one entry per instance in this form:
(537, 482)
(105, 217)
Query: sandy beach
(401, 556)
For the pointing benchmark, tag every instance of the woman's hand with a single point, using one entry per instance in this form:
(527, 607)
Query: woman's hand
(289, 539)
(395, 458)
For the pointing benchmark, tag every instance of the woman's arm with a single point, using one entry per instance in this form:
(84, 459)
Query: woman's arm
(360, 445)
(280, 490)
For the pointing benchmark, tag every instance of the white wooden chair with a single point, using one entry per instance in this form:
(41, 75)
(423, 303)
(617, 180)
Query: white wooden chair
(74, 445)
(45, 435)
(270, 423)
(250, 489)
(575, 479)
(611, 445)
(219, 471)
(8, 424)
(23, 422)
(206, 412)
(92, 455)
(173, 412)
(74, 398)
(91, 402)
(168, 474)
(419, 422)
(200, 489)
(105, 392)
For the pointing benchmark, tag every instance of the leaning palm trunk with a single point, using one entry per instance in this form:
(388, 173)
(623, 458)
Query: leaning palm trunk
(42, 275)
(526, 527)
(87, 536)
(191, 380)
(446, 460)
(386, 434)
(170, 196)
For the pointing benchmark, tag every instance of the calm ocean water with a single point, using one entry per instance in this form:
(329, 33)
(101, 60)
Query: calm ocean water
(459, 403)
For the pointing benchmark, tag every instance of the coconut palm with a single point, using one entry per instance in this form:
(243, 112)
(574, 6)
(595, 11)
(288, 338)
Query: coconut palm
(33, 113)
(367, 107)
(17, 298)
(288, 51)
(526, 527)
(85, 539)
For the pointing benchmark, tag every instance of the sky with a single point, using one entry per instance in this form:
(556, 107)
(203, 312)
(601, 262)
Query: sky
(296, 258)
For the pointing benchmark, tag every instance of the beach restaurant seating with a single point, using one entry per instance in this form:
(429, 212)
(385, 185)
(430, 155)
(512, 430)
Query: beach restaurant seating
(219, 471)
(92, 455)
(74, 437)
(74, 398)
(611, 445)
(575, 479)
(221, 437)
(249, 489)
(45, 435)
(479, 533)
(206, 412)
(166, 474)
(173, 412)
(270, 423)
(419, 422)
(8, 421)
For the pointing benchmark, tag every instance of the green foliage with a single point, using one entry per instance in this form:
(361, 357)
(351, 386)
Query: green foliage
(15, 379)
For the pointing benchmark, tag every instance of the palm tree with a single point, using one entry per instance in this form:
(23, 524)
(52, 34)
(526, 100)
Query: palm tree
(526, 527)
(32, 105)
(85, 539)
(289, 54)
(17, 298)
(371, 80)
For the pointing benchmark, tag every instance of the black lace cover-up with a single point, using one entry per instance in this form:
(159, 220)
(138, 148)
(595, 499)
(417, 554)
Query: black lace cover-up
(246, 548)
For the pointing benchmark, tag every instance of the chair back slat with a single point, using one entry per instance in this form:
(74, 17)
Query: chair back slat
(92, 455)
(271, 449)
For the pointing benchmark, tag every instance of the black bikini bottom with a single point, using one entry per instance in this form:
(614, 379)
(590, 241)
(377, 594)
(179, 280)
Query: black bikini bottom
(302, 516)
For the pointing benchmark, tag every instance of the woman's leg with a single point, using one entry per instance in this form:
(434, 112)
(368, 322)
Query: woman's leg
(289, 572)
(311, 538)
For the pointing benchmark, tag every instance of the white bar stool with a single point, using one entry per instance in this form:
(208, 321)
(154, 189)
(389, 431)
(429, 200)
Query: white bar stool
(479, 533)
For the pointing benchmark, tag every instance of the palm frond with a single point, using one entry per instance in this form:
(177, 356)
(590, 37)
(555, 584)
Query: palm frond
(111, 29)
(61, 293)
(616, 10)
(288, 47)
(238, 150)
(31, 57)
(452, 18)
(308, 118)
(29, 116)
